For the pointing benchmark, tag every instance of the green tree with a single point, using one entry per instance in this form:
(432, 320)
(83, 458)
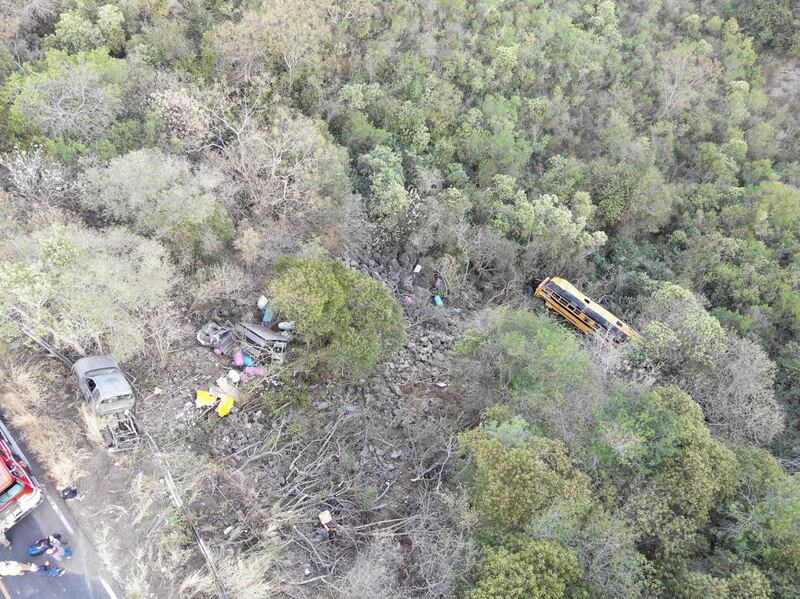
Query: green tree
(534, 363)
(554, 237)
(512, 484)
(604, 543)
(384, 183)
(349, 321)
(762, 518)
(111, 23)
(74, 33)
(525, 569)
(676, 500)
(681, 337)
(749, 583)
(732, 378)
(773, 22)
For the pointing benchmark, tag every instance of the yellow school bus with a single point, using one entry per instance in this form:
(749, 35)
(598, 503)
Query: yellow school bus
(588, 316)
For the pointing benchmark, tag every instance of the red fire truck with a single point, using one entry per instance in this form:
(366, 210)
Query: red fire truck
(19, 490)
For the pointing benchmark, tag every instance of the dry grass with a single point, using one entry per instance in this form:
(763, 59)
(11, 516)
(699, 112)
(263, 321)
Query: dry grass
(93, 426)
(21, 391)
(56, 443)
(136, 583)
(246, 577)
(145, 491)
(199, 583)
(164, 551)
(105, 536)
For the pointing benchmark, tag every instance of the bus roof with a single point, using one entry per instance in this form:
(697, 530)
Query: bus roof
(570, 288)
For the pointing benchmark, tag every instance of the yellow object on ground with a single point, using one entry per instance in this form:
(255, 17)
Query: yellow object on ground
(204, 398)
(224, 407)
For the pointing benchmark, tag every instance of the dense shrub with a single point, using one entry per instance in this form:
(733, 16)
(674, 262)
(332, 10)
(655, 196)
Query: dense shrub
(348, 320)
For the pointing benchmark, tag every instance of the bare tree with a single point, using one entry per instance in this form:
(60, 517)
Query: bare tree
(18, 17)
(287, 35)
(686, 80)
(37, 179)
(604, 543)
(738, 396)
(186, 116)
(75, 103)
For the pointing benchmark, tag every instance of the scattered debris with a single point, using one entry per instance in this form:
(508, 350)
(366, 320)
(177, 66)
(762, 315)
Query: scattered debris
(225, 406)
(328, 524)
(245, 343)
(325, 518)
(205, 399)
(217, 336)
(255, 371)
(256, 340)
(228, 389)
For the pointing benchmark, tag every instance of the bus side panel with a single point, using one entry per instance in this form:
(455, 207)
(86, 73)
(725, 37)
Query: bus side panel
(577, 322)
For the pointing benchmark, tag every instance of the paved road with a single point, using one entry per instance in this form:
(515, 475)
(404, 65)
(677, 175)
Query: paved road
(84, 578)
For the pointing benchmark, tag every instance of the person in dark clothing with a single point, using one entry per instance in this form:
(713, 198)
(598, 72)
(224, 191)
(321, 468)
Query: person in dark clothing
(47, 570)
(68, 493)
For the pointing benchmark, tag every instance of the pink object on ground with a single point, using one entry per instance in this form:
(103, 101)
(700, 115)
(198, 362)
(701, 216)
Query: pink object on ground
(244, 377)
(255, 371)
(217, 351)
(408, 300)
(238, 358)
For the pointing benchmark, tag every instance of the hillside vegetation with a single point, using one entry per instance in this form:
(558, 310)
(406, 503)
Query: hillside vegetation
(163, 160)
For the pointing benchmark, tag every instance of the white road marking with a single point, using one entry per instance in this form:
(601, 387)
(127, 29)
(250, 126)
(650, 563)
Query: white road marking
(60, 515)
(108, 589)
